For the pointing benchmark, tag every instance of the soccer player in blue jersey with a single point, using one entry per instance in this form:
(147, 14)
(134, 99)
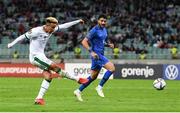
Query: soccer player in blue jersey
(94, 42)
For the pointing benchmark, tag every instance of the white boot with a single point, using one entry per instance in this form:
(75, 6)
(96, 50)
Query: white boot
(100, 91)
(77, 93)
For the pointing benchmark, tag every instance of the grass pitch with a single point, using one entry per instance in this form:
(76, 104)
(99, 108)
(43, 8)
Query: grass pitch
(17, 95)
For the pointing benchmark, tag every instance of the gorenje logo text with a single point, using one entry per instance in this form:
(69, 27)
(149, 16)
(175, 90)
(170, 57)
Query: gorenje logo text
(146, 72)
(83, 71)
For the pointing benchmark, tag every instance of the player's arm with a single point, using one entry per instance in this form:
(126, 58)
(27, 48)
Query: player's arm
(18, 39)
(68, 24)
(107, 43)
(85, 44)
(28, 35)
(89, 36)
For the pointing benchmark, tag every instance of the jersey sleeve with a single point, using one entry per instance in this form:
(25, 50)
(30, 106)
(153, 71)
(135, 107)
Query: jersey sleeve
(57, 29)
(66, 25)
(91, 34)
(30, 34)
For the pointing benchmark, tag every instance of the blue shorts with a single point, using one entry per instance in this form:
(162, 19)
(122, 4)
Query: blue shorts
(97, 64)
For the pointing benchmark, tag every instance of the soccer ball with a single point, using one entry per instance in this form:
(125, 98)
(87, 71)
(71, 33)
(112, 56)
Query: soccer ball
(159, 84)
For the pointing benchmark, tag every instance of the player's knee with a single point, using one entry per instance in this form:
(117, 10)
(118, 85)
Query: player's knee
(47, 75)
(55, 68)
(48, 80)
(93, 77)
(94, 74)
(110, 66)
(112, 69)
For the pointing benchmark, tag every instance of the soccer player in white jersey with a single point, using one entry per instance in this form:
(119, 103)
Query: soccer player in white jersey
(38, 37)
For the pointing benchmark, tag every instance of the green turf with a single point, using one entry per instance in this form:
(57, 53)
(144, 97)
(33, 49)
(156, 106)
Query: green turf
(17, 94)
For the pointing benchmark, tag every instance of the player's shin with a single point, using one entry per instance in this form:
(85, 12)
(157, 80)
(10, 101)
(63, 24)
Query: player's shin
(105, 78)
(44, 87)
(83, 86)
(62, 73)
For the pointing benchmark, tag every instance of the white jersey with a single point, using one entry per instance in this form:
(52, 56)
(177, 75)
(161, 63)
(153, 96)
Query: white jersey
(38, 39)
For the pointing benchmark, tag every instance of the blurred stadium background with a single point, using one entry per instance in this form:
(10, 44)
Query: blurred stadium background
(146, 34)
(136, 27)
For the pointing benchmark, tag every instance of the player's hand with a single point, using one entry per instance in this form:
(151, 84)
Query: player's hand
(9, 45)
(81, 21)
(94, 55)
(111, 45)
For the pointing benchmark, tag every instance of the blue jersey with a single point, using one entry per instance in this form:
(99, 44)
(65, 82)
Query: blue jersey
(97, 36)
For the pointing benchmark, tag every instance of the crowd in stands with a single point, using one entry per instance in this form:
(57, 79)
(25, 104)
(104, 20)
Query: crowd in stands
(132, 24)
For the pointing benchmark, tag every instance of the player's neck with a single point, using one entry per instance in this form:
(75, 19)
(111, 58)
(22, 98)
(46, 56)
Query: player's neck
(101, 27)
(45, 29)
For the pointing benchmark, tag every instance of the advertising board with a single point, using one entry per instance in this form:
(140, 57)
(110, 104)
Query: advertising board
(138, 71)
(22, 70)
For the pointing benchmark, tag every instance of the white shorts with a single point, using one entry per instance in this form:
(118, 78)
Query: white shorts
(40, 60)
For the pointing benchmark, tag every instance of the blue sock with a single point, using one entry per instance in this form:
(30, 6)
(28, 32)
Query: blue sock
(83, 86)
(105, 78)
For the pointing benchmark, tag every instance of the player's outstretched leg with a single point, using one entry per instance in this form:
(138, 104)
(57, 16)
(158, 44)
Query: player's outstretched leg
(76, 78)
(62, 73)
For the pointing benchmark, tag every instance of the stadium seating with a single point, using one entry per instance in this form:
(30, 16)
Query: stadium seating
(23, 49)
(128, 28)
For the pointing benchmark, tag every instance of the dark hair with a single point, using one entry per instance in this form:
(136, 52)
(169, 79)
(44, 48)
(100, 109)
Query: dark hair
(102, 16)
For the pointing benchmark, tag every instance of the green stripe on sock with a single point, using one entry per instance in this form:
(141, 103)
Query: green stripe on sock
(26, 36)
(42, 63)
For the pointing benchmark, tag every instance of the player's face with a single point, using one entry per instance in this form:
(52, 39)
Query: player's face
(102, 22)
(51, 27)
